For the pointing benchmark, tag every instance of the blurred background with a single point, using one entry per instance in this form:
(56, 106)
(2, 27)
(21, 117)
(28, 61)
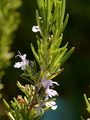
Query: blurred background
(75, 79)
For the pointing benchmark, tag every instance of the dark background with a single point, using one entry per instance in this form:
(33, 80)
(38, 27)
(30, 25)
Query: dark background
(75, 79)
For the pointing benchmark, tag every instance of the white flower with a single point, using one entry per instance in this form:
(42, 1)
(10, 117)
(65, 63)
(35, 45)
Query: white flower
(23, 63)
(51, 104)
(35, 29)
(49, 92)
(41, 106)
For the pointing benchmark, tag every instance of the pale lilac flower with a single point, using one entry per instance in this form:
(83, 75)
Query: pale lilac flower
(23, 63)
(48, 83)
(49, 92)
(51, 104)
(35, 29)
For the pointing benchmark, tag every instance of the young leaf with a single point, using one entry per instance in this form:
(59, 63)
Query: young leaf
(68, 54)
(34, 53)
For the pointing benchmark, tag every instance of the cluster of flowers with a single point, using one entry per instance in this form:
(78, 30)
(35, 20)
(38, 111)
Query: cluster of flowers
(46, 84)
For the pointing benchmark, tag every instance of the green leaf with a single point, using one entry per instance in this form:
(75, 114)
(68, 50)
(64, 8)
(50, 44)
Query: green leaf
(55, 2)
(34, 53)
(68, 54)
(6, 104)
(39, 22)
(49, 9)
(21, 87)
(57, 43)
(10, 116)
(62, 11)
(18, 105)
(87, 103)
(60, 56)
(38, 18)
(55, 74)
(65, 23)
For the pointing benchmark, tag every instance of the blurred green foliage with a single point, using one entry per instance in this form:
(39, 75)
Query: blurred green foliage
(9, 20)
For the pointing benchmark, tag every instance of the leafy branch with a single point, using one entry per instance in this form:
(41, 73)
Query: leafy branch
(50, 56)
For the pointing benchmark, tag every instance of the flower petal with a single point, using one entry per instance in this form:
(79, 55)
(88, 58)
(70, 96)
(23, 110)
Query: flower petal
(23, 63)
(51, 93)
(35, 29)
(17, 65)
(54, 107)
(51, 104)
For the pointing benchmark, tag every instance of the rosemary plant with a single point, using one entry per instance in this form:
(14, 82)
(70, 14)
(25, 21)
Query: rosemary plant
(9, 20)
(87, 100)
(39, 95)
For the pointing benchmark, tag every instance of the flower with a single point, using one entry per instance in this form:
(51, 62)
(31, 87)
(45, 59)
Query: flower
(23, 63)
(48, 83)
(51, 104)
(45, 105)
(49, 92)
(35, 29)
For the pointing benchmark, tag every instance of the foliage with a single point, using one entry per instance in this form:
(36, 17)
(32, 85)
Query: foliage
(87, 100)
(50, 56)
(9, 20)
